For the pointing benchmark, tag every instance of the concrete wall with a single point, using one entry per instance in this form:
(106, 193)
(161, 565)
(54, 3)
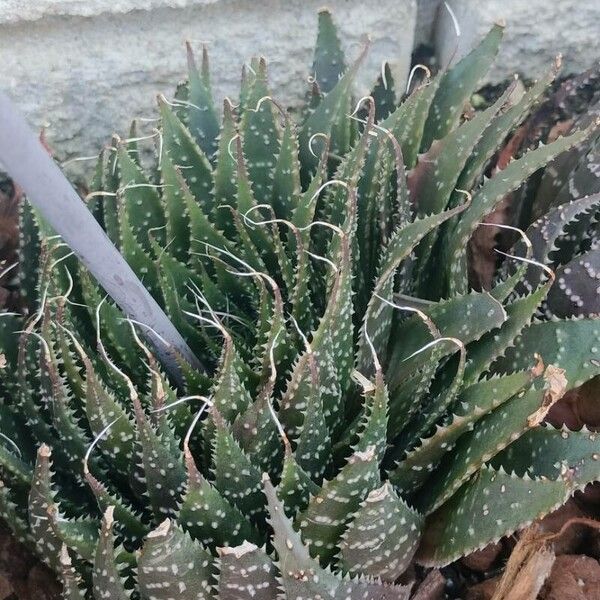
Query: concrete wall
(84, 68)
(536, 31)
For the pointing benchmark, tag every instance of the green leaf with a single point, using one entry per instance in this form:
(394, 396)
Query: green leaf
(256, 242)
(330, 118)
(132, 145)
(257, 431)
(373, 424)
(237, 478)
(108, 581)
(302, 388)
(110, 200)
(302, 576)
(141, 203)
(382, 537)
(313, 449)
(178, 221)
(128, 521)
(489, 506)
(473, 403)
(261, 136)
(28, 388)
(186, 155)
(413, 394)
(576, 290)
(552, 453)
(332, 345)
(15, 516)
(489, 195)
(383, 93)
(545, 232)
(171, 564)
(379, 314)
(117, 338)
(202, 119)
(225, 170)
(13, 465)
(466, 318)
(246, 571)
(207, 516)
(520, 312)
(328, 62)
(295, 487)
(80, 535)
(162, 463)
(286, 176)
(138, 257)
(499, 128)
(457, 85)
(435, 176)
(229, 396)
(571, 345)
(57, 394)
(324, 520)
(407, 122)
(108, 417)
(494, 432)
(29, 254)
(425, 419)
(382, 207)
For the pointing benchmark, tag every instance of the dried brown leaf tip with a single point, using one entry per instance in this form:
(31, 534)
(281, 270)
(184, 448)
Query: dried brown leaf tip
(554, 389)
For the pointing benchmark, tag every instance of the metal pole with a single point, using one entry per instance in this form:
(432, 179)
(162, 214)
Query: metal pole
(46, 187)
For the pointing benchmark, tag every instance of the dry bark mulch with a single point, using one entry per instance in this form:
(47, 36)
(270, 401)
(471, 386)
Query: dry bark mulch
(22, 576)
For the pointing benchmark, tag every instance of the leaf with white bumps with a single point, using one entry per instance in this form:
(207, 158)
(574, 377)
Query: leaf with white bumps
(549, 452)
(474, 402)
(245, 571)
(107, 577)
(328, 62)
(573, 345)
(492, 504)
(323, 521)
(494, 432)
(172, 565)
(457, 85)
(382, 537)
(207, 516)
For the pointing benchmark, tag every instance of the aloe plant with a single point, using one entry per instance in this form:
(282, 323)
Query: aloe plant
(359, 407)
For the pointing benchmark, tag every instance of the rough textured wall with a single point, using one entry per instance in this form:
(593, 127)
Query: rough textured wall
(84, 72)
(84, 68)
(536, 31)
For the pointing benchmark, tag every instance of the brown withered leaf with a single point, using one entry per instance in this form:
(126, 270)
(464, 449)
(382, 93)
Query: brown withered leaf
(554, 389)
